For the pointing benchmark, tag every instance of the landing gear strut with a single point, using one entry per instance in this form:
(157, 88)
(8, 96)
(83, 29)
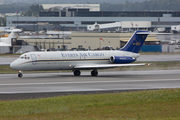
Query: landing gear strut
(77, 72)
(20, 74)
(94, 72)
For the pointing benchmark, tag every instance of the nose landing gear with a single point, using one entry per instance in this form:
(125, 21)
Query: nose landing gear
(20, 74)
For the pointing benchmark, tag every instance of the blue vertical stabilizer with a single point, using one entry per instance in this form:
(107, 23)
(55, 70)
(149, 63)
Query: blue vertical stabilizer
(136, 41)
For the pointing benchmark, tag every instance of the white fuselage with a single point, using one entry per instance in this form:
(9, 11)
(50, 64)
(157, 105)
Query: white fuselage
(65, 60)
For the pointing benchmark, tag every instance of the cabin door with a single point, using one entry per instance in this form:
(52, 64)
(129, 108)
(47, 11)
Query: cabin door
(34, 59)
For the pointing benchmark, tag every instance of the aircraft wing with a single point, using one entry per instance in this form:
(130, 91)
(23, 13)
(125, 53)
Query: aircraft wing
(103, 66)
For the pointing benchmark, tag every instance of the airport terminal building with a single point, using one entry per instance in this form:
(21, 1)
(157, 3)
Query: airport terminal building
(77, 18)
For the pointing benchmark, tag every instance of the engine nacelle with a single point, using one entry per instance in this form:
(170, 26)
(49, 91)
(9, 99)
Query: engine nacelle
(121, 59)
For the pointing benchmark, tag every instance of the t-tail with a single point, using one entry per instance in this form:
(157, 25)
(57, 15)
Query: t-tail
(13, 34)
(136, 41)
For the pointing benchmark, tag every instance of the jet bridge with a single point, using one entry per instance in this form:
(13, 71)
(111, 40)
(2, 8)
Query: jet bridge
(103, 26)
(135, 25)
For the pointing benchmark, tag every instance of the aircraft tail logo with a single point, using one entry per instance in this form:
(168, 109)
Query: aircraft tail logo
(136, 41)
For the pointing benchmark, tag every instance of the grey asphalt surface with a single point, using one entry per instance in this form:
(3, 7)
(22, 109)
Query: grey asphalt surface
(142, 58)
(55, 84)
(6, 61)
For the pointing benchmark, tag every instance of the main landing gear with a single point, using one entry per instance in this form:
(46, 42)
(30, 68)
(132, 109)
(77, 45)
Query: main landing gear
(77, 72)
(20, 74)
(93, 72)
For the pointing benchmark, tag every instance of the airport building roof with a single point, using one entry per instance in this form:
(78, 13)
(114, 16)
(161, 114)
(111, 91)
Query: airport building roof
(76, 19)
(76, 13)
(91, 7)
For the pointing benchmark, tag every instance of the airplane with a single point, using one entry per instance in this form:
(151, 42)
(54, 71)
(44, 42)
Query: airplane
(7, 41)
(82, 60)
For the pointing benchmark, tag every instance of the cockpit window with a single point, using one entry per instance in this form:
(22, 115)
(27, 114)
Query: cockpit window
(24, 57)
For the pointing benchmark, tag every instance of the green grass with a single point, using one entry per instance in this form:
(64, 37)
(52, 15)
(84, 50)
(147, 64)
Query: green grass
(149, 105)
(4, 69)
(9, 55)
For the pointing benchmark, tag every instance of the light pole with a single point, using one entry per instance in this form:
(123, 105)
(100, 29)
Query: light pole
(132, 25)
(44, 44)
(59, 30)
(50, 36)
(137, 26)
(76, 27)
(37, 23)
(17, 20)
(40, 45)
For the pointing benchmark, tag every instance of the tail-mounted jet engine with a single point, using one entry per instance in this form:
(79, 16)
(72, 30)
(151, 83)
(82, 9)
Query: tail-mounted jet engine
(121, 59)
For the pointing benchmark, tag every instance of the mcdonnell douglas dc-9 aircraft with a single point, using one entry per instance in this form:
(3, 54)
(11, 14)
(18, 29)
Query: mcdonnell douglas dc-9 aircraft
(82, 60)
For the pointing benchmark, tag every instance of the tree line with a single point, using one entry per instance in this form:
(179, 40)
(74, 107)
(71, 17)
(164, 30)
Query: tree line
(12, 8)
(173, 5)
(33, 10)
(27, 9)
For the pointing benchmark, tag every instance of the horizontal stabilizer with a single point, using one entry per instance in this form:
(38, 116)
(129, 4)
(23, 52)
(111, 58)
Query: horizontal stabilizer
(145, 33)
(14, 30)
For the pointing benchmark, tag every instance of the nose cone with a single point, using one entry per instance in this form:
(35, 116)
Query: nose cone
(13, 65)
